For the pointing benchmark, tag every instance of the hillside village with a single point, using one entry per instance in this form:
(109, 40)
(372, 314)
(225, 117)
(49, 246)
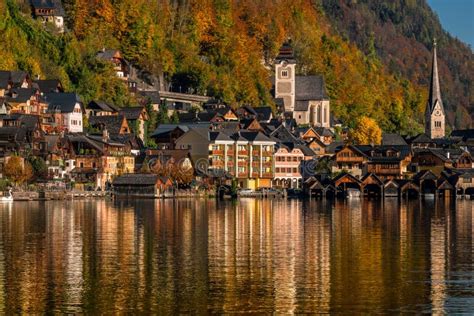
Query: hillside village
(50, 139)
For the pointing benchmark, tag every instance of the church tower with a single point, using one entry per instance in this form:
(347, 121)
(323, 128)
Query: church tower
(285, 77)
(435, 116)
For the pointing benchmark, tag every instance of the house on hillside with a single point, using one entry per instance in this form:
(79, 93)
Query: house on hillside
(137, 116)
(66, 110)
(49, 11)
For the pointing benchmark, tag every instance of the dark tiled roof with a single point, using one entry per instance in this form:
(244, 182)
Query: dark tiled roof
(132, 113)
(113, 123)
(264, 113)
(104, 106)
(465, 134)
(49, 4)
(20, 95)
(254, 136)
(46, 86)
(323, 131)
(136, 179)
(310, 88)
(63, 102)
(107, 54)
(393, 139)
(301, 105)
(286, 53)
(151, 96)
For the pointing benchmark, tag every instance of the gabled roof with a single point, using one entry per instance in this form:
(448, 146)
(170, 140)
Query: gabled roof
(63, 102)
(49, 4)
(324, 131)
(282, 134)
(264, 113)
(103, 106)
(113, 123)
(373, 176)
(20, 95)
(393, 139)
(53, 85)
(310, 88)
(109, 54)
(253, 136)
(132, 113)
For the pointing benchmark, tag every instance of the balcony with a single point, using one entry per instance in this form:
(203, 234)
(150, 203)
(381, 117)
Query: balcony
(243, 153)
(242, 164)
(230, 152)
(216, 152)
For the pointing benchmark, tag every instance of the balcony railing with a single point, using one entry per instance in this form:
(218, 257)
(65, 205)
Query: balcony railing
(216, 152)
(243, 153)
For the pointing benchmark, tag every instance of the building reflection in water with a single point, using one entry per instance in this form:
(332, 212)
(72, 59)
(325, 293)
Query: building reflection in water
(263, 256)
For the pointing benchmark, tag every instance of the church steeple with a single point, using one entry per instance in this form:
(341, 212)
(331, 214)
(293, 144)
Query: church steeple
(434, 113)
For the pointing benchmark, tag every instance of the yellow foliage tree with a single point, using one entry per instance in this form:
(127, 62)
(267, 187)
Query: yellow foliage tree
(18, 170)
(367, 131)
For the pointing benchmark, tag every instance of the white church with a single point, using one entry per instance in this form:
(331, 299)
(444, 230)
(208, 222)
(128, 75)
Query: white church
(302, 97)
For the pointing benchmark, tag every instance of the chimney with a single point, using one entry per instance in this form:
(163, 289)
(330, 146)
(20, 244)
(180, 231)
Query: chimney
(105, 135)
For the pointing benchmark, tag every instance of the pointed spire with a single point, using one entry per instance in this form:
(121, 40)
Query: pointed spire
(435, 91)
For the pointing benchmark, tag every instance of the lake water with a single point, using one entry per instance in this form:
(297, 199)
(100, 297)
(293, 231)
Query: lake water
(262, 256)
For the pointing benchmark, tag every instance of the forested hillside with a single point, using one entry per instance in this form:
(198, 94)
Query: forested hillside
(401, 33)
(225, 49)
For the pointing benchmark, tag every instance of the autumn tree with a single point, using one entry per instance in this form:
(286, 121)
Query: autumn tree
(366, 131)
(18, 170)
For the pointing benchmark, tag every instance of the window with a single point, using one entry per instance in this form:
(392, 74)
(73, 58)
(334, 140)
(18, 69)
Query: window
(438, 124)
(284, 73)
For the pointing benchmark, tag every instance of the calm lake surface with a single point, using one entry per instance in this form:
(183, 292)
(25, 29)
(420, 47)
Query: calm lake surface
(262, 256)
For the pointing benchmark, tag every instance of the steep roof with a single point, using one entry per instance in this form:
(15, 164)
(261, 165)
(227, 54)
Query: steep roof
(393, 139)
(63, 102)
(49, 4)
(132, 113)
(113, 123)
(108, 54)
(310, 88)
(104, 106)
(20, 95)
(53, 85)
(435, 91)
(264, 113)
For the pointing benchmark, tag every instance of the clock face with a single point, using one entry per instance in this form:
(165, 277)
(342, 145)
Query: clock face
(438, 113)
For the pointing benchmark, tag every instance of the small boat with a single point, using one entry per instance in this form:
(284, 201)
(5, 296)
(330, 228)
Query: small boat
(353, 193)
(8, 198)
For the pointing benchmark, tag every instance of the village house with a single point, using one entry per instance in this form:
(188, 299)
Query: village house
(120, 65)
(49, 11)
(136, 116)
(114, 124)
(349, 159)
(66, 110)
(100, 108)
(98, 159)
(288, 164)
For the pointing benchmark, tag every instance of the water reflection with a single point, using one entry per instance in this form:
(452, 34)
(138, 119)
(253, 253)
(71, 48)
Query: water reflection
(199, 256)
